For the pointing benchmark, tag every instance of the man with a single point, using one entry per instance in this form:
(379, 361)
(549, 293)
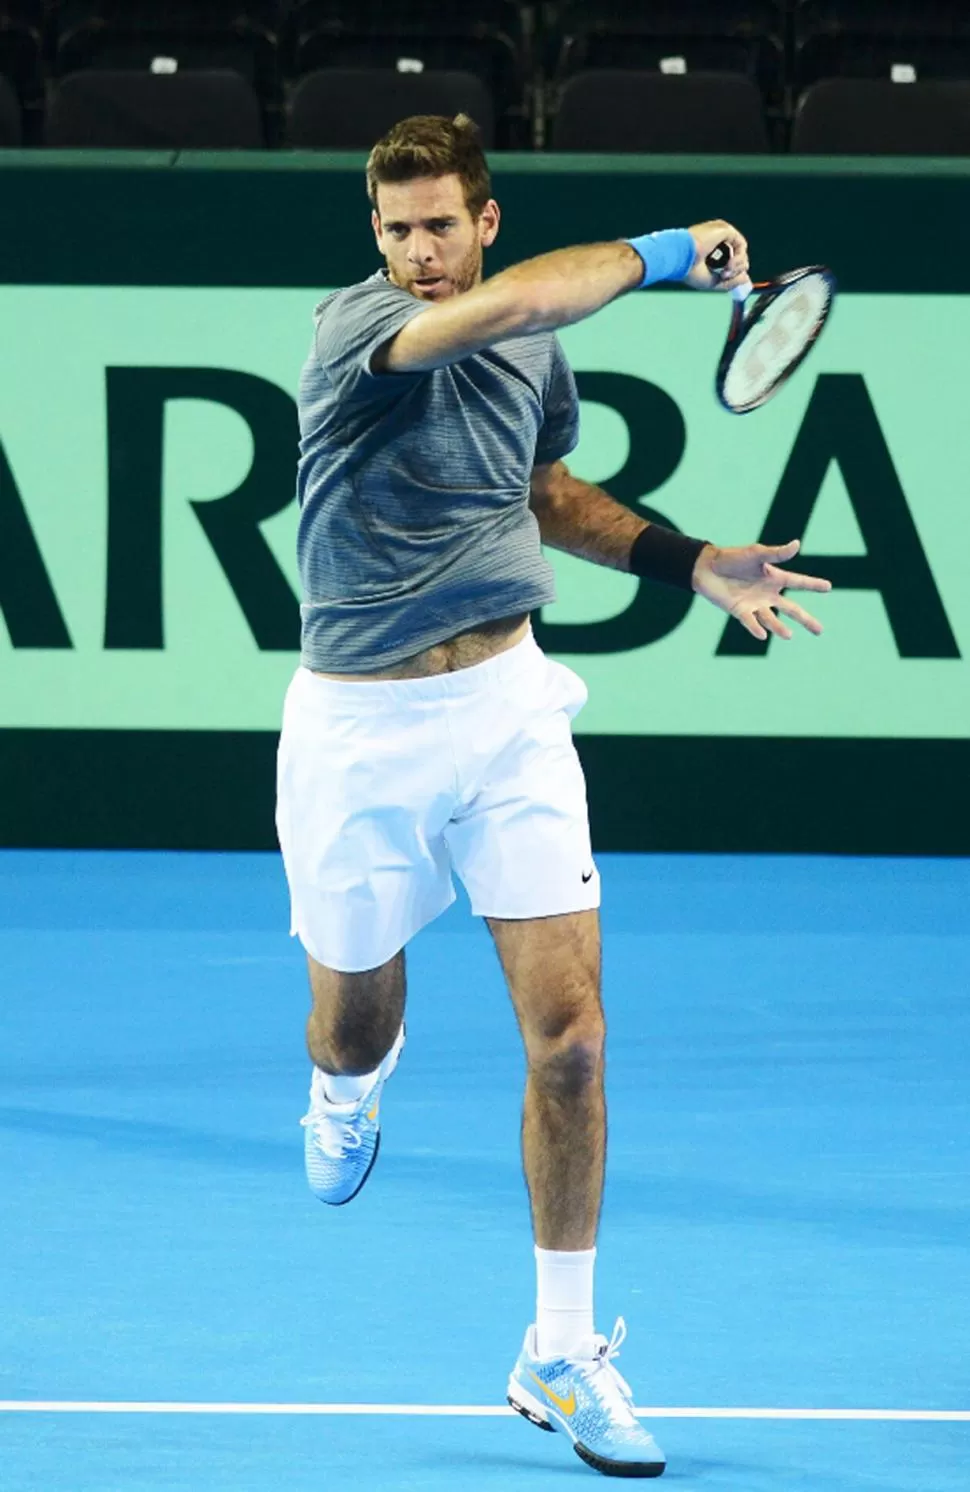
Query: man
(426, 733)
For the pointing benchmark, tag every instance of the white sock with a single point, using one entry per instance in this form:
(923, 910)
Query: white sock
(340, 1088)
(564, 1312)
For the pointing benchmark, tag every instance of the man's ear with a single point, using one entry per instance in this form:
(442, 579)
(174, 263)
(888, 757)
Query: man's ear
(488, 222)
(375, 223)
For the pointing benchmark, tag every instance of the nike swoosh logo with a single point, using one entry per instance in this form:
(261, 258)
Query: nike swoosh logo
(568, 1406)
(373, 1113)
(587, 878)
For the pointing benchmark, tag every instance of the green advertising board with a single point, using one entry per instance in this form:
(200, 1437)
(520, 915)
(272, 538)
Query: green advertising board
(149, 597)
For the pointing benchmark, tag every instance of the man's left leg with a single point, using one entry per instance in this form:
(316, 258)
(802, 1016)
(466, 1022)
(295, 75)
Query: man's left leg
(564, 1378)
(552, 967)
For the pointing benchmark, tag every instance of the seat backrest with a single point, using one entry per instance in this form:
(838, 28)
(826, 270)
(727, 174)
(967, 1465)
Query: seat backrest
(155, 15)
(862, 116)
(351, 108)
(877, 18)
(648, 111)
(141, 110)
(29, 14)
(117, 34)
(404, 17)
(11, 123)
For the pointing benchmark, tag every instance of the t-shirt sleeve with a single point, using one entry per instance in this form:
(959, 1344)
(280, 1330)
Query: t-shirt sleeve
(559, 433)
(352, 325)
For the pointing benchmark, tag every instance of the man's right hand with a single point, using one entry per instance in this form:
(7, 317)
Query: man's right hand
(707, 236)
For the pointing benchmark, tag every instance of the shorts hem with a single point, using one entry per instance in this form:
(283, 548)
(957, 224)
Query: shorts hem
(560, 909)
(351, 961)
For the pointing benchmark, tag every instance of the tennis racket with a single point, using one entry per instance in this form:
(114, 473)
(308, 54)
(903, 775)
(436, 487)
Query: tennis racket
(774, 327)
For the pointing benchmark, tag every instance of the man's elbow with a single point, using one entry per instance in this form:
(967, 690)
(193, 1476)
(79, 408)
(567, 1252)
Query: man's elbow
(548, 492)
(530, 305)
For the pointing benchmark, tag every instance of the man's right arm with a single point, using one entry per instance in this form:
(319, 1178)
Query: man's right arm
(540, 294)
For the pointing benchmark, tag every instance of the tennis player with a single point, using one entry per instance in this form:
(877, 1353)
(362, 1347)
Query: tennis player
(426, 735)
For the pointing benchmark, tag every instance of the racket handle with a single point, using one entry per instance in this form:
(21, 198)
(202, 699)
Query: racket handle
(717, 261)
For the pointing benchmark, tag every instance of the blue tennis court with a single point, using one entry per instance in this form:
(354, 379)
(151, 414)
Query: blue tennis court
(787, 1209)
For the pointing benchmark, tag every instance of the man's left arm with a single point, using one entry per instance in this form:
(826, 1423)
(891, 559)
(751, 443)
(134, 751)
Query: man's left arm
(582, 519)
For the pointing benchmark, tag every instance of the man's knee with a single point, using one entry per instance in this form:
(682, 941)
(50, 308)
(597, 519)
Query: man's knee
(350, 1044)
(355, 1017)
(565, 1055)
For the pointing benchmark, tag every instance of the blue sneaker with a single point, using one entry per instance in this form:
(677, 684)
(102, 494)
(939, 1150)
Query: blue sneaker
(341, 1140)
(588, 1400)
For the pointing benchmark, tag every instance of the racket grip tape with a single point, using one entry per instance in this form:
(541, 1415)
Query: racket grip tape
(717, 261)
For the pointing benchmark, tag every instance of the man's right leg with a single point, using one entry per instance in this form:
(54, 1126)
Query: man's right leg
(355, 1018)
(354, 1036)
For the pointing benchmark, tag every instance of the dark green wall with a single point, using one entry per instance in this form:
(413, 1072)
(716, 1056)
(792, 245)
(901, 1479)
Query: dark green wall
(302, 219)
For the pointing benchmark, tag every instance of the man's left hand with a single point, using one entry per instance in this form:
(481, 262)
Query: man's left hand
(747, 584)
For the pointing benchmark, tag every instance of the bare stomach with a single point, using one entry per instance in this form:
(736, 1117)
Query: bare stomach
(463, 651)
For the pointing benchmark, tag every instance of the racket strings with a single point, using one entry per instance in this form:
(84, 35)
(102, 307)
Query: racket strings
(778, 330)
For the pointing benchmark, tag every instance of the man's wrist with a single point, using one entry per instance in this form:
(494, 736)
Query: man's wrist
(706, 553)
(666, 255)
(663, 554)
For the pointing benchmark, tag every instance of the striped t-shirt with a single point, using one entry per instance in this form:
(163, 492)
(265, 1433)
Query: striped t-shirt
(414, 487)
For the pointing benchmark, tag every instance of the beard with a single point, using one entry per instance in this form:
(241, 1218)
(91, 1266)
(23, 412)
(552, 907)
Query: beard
(469, 272)
(464, 276)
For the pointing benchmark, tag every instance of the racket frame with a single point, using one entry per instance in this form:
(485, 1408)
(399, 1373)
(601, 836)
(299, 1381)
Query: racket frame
(743, 321)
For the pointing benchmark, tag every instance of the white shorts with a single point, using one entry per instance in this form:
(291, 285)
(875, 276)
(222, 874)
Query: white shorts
(387, 787)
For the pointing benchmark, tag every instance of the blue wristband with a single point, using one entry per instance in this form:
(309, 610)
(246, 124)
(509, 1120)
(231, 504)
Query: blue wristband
(667, 255)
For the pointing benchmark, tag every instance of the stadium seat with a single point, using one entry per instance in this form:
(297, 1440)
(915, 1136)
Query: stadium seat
(214, 34)
(908, 40)
(129, 110)
(11, 129)
(863, 116)
(350, 108)
(648, 111)
(412, 36)
(21, 45)
(672, 36)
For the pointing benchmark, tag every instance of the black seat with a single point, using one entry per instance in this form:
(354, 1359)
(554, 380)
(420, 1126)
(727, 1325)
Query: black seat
(143, 111)
(11, 126)
(863, 116)
(412, 35)
(648, 111)
(21, 45)
(918, 40)
(744, 36)
(351, 108)
(240, 35)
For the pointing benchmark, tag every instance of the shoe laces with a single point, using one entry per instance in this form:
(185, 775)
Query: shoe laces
(605, 1380)
(333, 1127)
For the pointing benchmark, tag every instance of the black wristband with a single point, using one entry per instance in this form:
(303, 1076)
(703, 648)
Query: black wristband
(663, 554)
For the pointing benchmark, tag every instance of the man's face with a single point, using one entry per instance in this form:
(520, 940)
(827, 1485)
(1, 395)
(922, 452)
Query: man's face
(432, 244)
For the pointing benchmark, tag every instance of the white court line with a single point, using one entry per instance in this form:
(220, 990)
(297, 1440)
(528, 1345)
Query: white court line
(477, 1411)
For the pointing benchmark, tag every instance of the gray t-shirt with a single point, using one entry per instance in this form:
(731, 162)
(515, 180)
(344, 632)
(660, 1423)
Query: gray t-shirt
(414, 487)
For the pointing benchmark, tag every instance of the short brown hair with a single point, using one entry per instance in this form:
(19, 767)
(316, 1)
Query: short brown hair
(432, 145)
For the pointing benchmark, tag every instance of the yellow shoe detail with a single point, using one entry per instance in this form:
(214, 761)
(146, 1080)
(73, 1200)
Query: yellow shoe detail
(568, 1406)
(373, 1113)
